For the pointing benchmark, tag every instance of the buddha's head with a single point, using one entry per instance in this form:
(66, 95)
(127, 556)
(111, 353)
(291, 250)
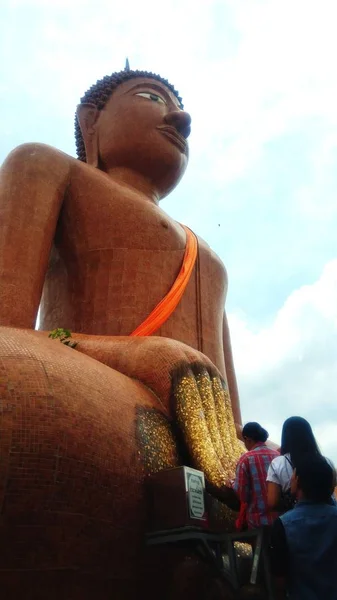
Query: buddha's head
(134, 120)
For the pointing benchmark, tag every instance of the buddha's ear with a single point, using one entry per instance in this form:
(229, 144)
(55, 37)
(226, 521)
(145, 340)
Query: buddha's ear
(87, 116)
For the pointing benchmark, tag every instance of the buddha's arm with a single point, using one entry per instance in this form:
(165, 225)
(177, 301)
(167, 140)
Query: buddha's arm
(185, 384)
(230, 372)
(32, 186)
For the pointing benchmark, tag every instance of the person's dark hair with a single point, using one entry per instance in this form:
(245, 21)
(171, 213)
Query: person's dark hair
(255, 432)
(298, 439)
(100, 92)
(315, 477)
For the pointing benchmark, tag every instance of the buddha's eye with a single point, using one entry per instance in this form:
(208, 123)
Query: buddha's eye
(150, 96)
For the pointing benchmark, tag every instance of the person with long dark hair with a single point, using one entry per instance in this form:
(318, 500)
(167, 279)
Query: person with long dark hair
(297, 440)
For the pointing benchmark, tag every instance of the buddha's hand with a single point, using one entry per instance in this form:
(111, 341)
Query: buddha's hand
(204, 413)
(187, 385)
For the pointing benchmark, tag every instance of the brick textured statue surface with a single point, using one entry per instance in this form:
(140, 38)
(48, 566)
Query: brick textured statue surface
(82, 428)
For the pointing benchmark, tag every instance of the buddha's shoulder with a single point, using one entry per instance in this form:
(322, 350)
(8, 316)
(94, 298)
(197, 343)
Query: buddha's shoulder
(42, 159)
(34, 151)
(207, 254)
(39, 156)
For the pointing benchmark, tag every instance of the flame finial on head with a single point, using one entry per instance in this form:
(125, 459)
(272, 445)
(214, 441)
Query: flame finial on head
(127, 65)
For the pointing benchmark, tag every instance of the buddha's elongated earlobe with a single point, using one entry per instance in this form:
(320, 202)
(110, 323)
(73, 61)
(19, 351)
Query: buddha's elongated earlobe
(87, 116)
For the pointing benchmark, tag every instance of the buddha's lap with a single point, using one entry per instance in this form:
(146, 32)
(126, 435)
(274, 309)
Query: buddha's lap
(74, 449)
(77, 440)
(139, 382)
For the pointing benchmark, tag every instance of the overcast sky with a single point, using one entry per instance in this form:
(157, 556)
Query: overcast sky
(259, 79)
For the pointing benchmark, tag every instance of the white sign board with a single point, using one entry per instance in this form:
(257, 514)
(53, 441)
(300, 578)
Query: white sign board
(195, 486)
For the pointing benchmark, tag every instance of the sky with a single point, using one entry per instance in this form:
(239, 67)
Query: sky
(259, 80)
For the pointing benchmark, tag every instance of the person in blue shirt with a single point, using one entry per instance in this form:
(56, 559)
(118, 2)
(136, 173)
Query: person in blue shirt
(304, 540)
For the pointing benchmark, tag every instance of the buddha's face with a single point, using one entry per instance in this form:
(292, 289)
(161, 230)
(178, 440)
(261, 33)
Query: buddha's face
(142, 128)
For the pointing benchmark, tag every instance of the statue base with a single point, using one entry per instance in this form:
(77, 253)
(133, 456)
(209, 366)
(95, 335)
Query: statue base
(177, 499)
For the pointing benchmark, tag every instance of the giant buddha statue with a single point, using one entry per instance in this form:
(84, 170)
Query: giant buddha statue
(151, 383)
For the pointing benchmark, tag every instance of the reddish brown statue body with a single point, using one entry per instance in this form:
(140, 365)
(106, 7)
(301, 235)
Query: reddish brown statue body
(80, 429)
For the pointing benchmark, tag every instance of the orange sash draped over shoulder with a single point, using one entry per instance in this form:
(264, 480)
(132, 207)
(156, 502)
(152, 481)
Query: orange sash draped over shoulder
(169, 303)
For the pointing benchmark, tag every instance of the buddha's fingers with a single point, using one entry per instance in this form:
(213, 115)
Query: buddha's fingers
(238, 446)
(226, 426)
(191, 420)
(205, 389)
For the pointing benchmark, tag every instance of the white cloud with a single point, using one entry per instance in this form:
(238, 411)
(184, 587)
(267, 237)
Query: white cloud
(307, 199)
(290, 367)
(280, 76)
(307, 315)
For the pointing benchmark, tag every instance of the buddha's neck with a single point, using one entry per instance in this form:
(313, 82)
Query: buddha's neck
(135, 181)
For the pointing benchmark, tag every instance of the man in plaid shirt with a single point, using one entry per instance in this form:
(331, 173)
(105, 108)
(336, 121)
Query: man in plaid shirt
(250, 483)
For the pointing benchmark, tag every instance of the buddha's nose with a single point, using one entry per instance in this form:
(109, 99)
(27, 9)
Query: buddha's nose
(181, 120)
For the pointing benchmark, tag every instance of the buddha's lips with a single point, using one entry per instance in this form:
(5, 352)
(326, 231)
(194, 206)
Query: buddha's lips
(174, 136)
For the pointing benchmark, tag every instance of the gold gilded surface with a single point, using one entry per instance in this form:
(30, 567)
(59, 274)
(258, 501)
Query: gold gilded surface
(220, 515)
(191, 418)
(206, 394)
(204, 414)
(224, 423)
(156, 441)
(237, 445)
(243, 550)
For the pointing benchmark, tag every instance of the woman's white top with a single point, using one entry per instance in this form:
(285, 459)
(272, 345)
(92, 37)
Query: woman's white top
(280, 471)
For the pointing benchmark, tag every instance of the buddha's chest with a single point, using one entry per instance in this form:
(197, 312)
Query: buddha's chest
(98, 217)
(120, 241)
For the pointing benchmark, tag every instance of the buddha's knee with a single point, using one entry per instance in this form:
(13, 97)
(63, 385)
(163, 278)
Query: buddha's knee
(62, 407)
(74, 443)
